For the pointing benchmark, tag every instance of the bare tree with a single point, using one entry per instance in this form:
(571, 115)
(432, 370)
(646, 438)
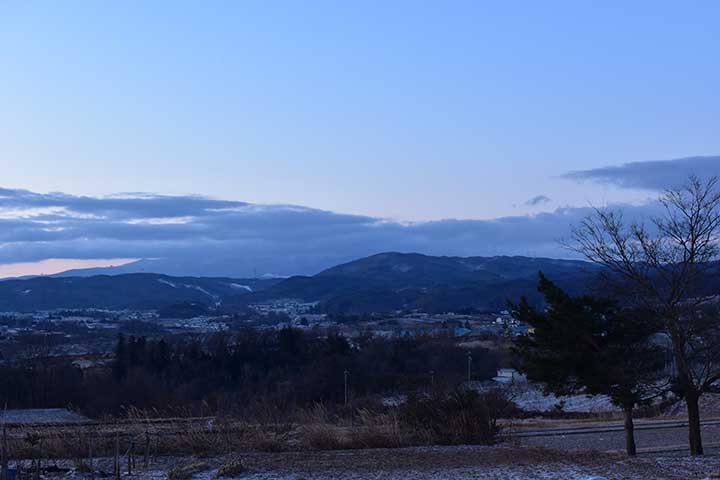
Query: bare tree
(663, 266)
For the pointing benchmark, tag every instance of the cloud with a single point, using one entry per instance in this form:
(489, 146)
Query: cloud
(652, 175)
(537, 200)
(193, 235)
(55, 265)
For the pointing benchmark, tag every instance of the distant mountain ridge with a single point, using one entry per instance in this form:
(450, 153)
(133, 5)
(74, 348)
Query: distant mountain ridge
(143, 265)
(392, 281)
(378, 283)
(117, 292)
(428, 270)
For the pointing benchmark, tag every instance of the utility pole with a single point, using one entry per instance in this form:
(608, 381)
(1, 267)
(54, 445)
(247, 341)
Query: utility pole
(469, 358)
(346, 373)
(4, 449)
(432, 379)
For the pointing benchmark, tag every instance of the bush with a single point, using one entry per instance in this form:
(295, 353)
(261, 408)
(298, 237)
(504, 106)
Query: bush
(462, 417)
(186, 471)
(320, 431)
(232, 468)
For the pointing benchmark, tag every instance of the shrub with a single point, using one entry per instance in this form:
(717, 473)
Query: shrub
(319, 430)
(462, 417)
(231, 468)
(186, 471)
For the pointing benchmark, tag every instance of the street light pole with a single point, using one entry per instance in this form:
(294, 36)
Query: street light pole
(469, 358)
(346, 373)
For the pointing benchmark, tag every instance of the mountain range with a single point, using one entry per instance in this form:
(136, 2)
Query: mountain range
(382, 282)
(392, 281)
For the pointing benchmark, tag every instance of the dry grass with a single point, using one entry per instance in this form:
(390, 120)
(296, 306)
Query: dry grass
(378, 430)
(318, 431)
(141, 437)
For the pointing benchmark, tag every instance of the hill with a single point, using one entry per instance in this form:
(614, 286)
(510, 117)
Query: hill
(127, 291)
(417, 269)
(379, 283)
(392, 281)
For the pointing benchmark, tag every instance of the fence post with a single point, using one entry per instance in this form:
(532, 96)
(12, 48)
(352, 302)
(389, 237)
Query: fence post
(5, 454)
(147, 450)
(38, 467)
(130, 456)
(116, 463)
(91, 460)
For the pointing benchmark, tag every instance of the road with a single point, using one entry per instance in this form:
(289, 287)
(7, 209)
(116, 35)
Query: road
(650, 437)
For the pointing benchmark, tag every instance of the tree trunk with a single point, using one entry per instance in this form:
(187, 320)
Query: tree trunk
(629, 432)
(690, 390)
(691, 399)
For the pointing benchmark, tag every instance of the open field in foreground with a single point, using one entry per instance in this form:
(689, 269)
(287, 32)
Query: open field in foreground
(424, 463)
(532, 449)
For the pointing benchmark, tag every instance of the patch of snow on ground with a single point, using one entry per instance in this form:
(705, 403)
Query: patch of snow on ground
(534, 400)
(530, 397)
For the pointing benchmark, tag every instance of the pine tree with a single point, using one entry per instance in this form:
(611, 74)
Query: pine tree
(120, 366)
(589, 345)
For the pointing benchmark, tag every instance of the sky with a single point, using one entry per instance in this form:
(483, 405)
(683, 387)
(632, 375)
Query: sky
(433, 125)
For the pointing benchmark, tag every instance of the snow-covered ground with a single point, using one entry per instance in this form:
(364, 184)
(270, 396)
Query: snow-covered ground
(531, 399)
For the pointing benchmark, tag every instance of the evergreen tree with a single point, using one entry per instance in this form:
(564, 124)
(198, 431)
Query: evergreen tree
(120, 366)
(589, 345)
(664, 264)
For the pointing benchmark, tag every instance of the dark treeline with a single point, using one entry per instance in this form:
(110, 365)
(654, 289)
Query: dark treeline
(228, 372)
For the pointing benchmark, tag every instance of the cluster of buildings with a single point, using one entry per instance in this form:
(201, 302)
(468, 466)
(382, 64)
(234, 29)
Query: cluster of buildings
(399, 324)
(291, 308)
(92, 332)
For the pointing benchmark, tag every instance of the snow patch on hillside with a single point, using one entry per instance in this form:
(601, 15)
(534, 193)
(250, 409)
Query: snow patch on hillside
(184, 285)
(201, 290)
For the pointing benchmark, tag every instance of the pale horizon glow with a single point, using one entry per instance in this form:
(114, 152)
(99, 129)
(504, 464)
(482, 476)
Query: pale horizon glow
(52, 266)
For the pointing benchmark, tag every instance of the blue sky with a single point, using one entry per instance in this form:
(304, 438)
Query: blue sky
(408, 111)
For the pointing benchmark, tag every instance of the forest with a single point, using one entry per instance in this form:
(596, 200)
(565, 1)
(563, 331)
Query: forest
(226, 373)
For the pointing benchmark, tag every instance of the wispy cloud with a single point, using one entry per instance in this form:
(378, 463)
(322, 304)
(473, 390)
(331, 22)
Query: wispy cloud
(652, 175)
(537, 200)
